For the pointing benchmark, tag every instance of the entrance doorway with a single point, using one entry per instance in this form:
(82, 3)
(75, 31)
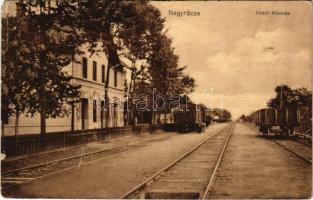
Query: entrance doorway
(84, 113)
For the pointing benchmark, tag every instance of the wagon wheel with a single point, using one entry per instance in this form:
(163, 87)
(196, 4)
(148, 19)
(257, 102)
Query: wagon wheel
(290, 131)
(265, 132)
(199, 129)
(268, 131)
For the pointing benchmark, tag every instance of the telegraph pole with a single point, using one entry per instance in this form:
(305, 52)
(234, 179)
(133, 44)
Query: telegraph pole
(281, 96)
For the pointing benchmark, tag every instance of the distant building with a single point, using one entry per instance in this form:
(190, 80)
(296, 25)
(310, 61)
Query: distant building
(90, 72)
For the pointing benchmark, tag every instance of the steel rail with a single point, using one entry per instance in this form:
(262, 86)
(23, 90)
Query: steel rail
(31, 179)
(303, 138)
(7, 179)
(58, 160)
(295, 153)
(23, 157)
(286, 148)
(155, 176)
(210, 184)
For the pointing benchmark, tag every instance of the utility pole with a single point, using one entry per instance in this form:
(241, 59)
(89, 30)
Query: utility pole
(281, 96)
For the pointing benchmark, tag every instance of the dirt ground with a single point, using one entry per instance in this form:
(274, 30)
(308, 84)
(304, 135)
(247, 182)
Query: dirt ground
(255, 167)
(111, 177)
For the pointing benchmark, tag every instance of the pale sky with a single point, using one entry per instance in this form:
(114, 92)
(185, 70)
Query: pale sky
(241, 55)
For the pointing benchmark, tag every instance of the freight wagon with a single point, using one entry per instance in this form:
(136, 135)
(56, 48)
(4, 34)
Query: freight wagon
(277, 121)
(208, 118)
(190, 117)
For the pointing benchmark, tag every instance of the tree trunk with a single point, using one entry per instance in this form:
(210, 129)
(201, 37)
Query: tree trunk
(43, 112)
(2, 128)
(132, 86)
(130, 105)
(17, 117)
(2, 123)
(73, 117)
(43, 122)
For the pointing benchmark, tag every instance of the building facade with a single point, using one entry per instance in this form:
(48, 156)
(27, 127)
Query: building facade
(90, 72)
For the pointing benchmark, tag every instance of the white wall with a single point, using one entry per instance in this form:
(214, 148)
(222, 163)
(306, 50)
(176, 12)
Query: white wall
(90, 89)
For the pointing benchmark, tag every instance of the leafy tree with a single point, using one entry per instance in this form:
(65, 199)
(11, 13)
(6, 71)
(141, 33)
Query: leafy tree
(167, 77)
(15, 73)
(185, 99)
(163, 75)
(132, 29)
(285, 97)
(222, 113)
(303, 97)
(141, 91)
(52, 30)
(45, 46)
(188, 84)
(300, 98)
(243, 117)
(125, 28)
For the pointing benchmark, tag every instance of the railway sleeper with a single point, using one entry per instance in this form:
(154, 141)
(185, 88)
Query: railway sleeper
(172, 195)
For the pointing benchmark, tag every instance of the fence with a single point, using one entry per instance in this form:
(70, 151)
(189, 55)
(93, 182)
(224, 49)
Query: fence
(34, 143)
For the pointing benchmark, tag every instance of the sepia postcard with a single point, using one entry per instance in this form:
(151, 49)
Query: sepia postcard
(109, 99)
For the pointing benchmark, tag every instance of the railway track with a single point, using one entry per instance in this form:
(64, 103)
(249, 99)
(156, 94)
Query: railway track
(12, 175)
(303, 140)
(191, 176)
(49, 153)
(25, 174)
(288, 147)
(298, 154)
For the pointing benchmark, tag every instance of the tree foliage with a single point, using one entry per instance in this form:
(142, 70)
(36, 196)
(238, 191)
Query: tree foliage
(222, 113)
(286, 97)
(47, 35)
(15, 73)
(165, 76)
(300, 98)
(41, 47)
(124, 27)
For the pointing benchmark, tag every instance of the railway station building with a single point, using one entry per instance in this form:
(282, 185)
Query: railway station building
(90, 72)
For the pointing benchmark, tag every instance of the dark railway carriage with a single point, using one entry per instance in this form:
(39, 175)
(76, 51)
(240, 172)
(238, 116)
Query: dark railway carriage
(190, 117)
(277, 121)
(264, 118)
(208, 118)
